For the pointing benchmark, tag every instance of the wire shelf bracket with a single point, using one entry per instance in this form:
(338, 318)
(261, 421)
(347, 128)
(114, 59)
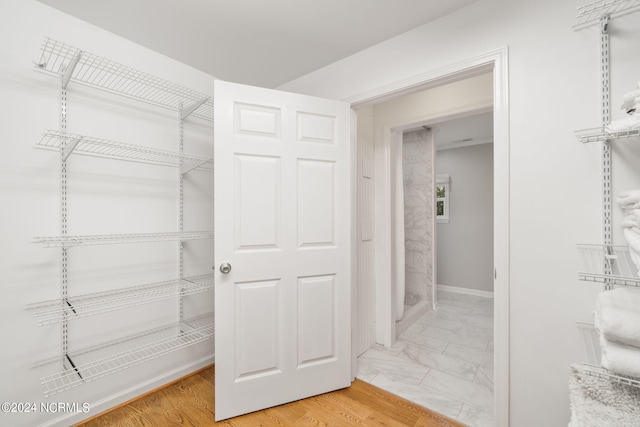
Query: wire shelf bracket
(83, 67)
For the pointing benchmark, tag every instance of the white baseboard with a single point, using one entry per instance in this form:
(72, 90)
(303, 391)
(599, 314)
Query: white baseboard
(466, 291)
(130, 393)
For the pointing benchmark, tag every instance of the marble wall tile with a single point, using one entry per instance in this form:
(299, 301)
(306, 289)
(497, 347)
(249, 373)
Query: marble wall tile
(415, 239)
(415, 217)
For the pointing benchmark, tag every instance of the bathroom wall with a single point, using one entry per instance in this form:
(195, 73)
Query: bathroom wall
(555, 181)
(464, 245)
(417, 164)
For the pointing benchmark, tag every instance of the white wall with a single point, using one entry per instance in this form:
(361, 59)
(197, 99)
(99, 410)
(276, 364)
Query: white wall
(465, 243)
(104, 197)
(555, 183)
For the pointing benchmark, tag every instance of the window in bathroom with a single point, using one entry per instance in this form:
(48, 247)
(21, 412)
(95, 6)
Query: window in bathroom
(442, 198)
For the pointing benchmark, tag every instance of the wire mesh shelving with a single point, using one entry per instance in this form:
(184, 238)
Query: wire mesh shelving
(56, 311)
(89, 364)
(73, 64)
(70, 143)
(110, 239)
(607, 264)
(590, 14)
(602, 135)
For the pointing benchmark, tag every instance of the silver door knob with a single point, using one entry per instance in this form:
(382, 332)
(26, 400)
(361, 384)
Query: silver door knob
(225, 268)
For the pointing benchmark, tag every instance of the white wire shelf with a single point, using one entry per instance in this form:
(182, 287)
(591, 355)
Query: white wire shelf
(73, 64)
(84, 145)
(596, 259)
(602, 135)
(591, 13)
(56, 311)
(110, 239)
(97, 362)
(600, 372)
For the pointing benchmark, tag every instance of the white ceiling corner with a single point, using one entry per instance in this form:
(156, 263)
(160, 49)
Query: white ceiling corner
(257, 42)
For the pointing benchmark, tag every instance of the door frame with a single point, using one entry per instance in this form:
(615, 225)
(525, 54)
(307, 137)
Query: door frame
(497, 62)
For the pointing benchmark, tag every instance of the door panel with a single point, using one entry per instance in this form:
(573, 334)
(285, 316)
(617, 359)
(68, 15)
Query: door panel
(282, 221)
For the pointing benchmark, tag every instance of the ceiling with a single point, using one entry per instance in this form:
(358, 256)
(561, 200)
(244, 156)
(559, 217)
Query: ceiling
(258, 42)
(463, 132)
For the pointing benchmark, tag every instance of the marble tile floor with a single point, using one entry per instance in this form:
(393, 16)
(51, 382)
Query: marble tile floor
(444, 361)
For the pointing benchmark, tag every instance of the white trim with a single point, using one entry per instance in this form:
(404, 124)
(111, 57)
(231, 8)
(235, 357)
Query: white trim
(130, 393)
(355, 314)
(496, 61)
(466, 291)
(411, 314)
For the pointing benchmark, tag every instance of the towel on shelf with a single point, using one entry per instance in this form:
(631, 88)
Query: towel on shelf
(628, 123)
(620, 359)
(617, 315)
(629, 199)
(632, 235)
(598, 402)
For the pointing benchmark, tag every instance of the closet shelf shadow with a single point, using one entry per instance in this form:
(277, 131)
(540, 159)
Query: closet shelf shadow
(99, 361)
(56, 311)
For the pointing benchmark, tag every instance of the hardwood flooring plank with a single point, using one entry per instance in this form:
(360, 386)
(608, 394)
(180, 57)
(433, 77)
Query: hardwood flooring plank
(189, 402)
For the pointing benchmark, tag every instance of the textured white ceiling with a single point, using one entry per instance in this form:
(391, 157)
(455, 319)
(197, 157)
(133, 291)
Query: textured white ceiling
(465, 131)
(259, 42)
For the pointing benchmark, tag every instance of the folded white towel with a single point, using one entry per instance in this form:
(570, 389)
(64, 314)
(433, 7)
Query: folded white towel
(629, 199)
(617, 315)
(632, 234)
(628, 123)
(599, 402)
(619, 358)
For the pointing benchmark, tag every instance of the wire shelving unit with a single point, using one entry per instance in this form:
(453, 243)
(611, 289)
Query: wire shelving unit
(112, 239)
(75, 367)
(69, 143)
(92, 363)
(592, 13)
(608, 264)
(73, 64)
(56, 311)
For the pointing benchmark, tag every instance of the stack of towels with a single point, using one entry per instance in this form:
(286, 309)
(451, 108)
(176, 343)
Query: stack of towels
(617, 319)
(631, 106)
(629, 201)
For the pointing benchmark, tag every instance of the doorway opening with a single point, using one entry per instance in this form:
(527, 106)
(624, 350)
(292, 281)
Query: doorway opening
(375, 239)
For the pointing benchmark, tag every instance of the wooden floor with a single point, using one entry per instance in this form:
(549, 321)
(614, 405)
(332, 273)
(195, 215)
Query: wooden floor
(189, 402)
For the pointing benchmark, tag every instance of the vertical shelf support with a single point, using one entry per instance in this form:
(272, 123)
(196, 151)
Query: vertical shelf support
(181, 117)
(606, 147)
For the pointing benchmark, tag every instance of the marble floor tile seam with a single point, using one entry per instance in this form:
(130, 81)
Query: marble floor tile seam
(460, 390)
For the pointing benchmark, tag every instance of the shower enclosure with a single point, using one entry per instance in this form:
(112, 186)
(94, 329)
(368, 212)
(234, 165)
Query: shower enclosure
(414, 225)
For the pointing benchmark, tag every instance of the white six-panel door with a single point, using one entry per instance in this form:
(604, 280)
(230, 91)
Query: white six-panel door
(282, 223)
